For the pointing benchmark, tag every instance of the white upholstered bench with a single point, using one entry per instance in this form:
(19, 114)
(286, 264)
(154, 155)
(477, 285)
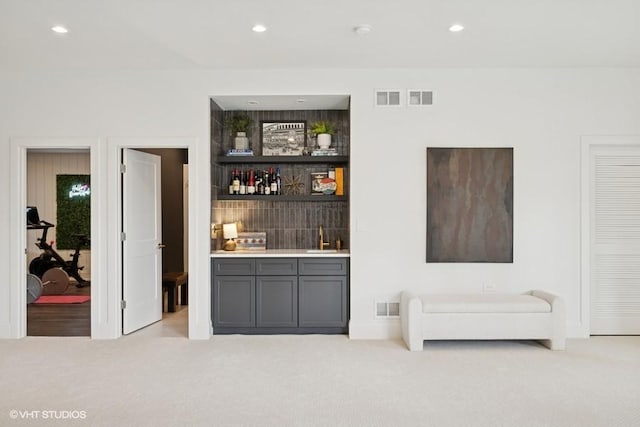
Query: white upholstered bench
(535, 315)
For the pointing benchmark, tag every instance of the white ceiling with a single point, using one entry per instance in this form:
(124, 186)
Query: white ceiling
(214, 34)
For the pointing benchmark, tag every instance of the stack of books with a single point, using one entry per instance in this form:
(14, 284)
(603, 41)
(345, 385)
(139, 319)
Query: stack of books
(324, 152)
(234, 152)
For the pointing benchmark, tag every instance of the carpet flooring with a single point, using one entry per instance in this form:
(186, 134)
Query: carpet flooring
(316, 380)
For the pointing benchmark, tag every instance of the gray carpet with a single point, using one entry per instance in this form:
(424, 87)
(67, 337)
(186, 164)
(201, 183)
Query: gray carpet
(317, 381)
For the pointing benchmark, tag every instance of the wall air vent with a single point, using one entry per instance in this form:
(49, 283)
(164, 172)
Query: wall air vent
(387, 309)
(387, 97)
(417, 97)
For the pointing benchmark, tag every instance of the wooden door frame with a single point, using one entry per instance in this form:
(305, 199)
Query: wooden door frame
(18, 202)
(199, 270)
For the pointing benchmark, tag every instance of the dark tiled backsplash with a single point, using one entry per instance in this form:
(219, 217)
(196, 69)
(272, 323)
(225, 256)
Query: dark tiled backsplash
(289, 225)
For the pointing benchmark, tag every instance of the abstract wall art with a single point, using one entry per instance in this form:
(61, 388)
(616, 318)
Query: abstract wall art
(470, 205)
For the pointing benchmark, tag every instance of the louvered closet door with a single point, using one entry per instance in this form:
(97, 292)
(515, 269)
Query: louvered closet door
(615, 241)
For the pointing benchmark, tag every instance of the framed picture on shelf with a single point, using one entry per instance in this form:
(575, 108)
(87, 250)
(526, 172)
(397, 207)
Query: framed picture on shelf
(322, 184)
(283, 138)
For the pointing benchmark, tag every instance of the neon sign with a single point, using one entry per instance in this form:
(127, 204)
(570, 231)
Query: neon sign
(79, 190)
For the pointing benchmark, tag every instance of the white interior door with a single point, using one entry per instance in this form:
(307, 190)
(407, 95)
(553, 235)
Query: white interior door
(615, 240)
(142, 240)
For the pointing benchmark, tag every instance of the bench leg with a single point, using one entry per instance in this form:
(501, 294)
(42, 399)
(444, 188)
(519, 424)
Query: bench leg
(184, 296)
(410, 317)
(555, 343)
(172, 298)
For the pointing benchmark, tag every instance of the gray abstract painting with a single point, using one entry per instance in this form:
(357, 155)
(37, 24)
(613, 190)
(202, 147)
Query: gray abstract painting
(470, 205)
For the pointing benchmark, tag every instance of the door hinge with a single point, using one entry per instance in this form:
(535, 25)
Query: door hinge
(123, 305)
(123, 168)
(123, 236)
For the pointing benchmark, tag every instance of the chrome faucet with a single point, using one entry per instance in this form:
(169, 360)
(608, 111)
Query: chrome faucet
(322, 242)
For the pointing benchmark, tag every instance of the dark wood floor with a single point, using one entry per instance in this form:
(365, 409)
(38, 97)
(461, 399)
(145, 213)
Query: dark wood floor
(61, 320)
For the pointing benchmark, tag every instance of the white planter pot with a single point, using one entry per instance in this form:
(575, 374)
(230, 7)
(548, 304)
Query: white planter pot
(324, 140)
(241, 141)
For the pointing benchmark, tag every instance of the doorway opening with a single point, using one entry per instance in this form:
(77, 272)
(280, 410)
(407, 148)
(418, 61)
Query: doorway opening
(147, 285)
(58, 254)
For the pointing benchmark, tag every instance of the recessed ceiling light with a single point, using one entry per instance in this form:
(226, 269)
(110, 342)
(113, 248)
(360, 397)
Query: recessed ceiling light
(259, 28)
(362, 29)
(301, 100)
(59, 29)
(456, 28)
(252, 102)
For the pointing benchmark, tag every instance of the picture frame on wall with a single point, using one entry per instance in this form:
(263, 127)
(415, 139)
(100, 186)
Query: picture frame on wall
(283, 138)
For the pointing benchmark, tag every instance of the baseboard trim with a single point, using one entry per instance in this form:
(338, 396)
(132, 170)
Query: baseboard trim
(382, 329)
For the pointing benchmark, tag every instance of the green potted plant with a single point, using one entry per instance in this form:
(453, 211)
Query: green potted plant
(323, 130)
(240, 125)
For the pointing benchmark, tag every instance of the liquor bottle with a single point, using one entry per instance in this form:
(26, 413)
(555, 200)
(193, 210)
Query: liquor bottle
(236, 181)
(251, 184)
(278, 181)
(267, 183)
(259, 183)
(274, 183)
(243, 182)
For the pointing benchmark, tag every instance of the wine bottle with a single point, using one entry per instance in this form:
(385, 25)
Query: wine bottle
(274, 183)
(243, 182)
(236, 182)
(267, 183)
(278, 181)
(231, 183)
(251, 184)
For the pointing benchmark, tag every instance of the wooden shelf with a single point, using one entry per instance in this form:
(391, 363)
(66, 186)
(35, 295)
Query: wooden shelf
(284, 198)
(283, 159)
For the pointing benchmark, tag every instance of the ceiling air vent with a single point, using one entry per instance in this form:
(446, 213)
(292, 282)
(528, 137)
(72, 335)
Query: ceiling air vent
(419, 97)
(387, 98)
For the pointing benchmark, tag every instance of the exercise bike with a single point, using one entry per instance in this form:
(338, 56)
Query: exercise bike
(49, 266)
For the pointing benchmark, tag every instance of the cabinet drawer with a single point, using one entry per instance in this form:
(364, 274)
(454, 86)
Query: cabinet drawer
(234, 267)
(322, 266)
(276, 266)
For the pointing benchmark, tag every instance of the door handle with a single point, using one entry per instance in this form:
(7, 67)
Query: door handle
(161, 246)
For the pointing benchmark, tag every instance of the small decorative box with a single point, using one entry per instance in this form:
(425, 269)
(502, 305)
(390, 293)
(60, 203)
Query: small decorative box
(252, 241)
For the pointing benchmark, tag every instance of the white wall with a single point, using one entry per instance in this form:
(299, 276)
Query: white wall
(541, 113)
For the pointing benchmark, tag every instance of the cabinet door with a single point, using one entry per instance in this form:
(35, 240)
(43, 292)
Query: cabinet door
(277, 301)
(234, 299)
(322, 301)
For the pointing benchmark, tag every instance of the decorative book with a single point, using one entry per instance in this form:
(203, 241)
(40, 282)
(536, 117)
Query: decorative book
(321, 184)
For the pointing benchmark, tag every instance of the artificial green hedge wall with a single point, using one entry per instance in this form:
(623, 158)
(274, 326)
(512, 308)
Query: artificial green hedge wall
(73, 209)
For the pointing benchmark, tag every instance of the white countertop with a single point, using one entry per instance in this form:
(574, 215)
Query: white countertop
(282, 253)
